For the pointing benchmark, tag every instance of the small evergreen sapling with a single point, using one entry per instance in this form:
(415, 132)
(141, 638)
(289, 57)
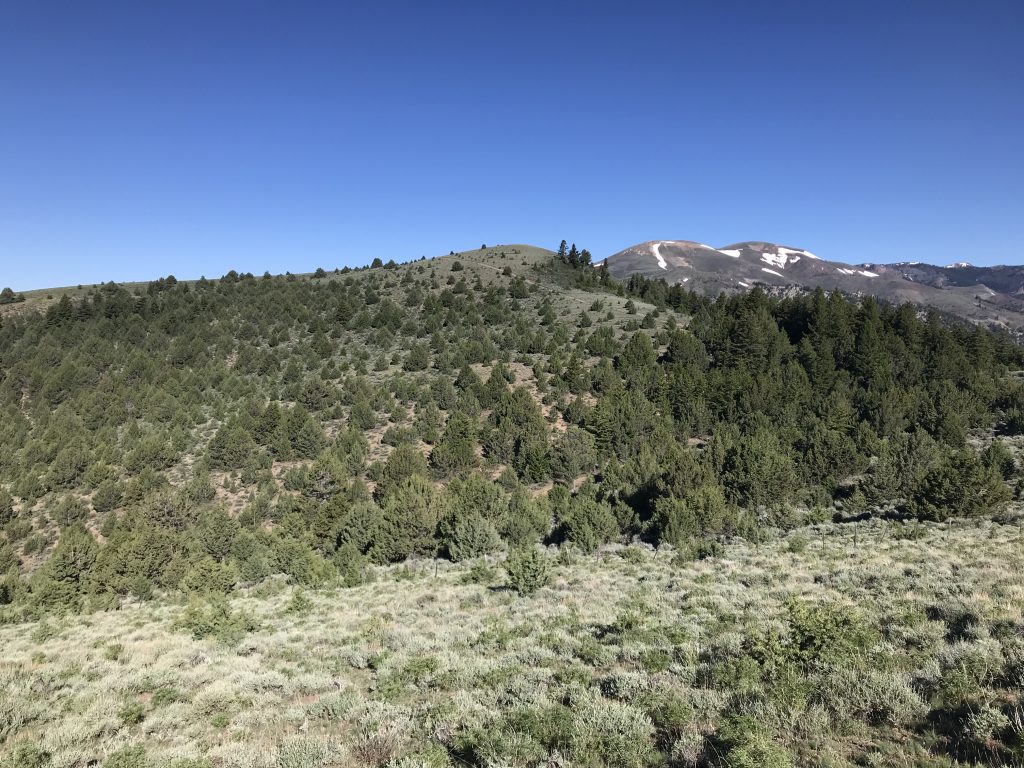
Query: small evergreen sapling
(528, 570)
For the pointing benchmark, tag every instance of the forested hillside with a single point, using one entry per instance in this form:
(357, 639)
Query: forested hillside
(220, 431)
(288, 498)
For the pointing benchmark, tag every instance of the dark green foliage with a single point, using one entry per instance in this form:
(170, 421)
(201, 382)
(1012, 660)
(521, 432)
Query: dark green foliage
(215, 619)
(959, 485)
(128, 757)
(585, 522)
(131, 713)
(572, 454)
(232, 447)
(8, 558)
(409, 521)
(6, 507)
(518, 435)
(759, 470)
(138, 557)
(8, 296)
(1000, 459)
(528, 570)
(26, 755)
(135, 414)
(477, 512)
(62, 581)
(304, 435)
(827, 634)
(403, 462)
(107, 496)
(702, 511)
(455, 450)
(350, 564)
(418, 358)
(528, 521)
(749, 744)
(68, 511)
(466, 535)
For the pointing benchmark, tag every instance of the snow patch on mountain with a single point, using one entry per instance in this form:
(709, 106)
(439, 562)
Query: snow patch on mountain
(783, 257)
(734, 252)
(656, 250)
(771, 272)
(868, 274)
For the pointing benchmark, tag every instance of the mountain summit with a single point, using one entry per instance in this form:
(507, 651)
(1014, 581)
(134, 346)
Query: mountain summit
(988, 295)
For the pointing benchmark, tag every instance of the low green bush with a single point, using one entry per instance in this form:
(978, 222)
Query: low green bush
(131, 713)
(528, 570)
(215, 618)
(129, 757)
(748, 744)
(26, 755)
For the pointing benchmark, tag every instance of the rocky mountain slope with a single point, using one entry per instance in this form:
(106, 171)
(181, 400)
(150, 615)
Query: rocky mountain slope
(988, 295)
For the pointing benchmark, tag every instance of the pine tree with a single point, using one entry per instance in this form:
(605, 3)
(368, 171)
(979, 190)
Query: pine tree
(528, 570)
(455, 449)
(231, 448)
(304, 433)
(573, 259)
(572, 454)
(61, 582)
(409, 522)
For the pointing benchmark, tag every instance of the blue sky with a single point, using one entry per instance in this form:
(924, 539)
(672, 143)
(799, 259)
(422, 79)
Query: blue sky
(142, 139)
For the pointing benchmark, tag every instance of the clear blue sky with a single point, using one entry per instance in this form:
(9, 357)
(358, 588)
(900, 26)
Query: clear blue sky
(139, 139)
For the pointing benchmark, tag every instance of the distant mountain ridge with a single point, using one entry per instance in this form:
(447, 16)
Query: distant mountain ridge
(987, 295)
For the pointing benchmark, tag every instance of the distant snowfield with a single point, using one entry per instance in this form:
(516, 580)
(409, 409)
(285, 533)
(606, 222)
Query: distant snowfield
(656, 250)
(783, 257)
(797, 252)
(734, 252)
(771, 272)
(868, 274)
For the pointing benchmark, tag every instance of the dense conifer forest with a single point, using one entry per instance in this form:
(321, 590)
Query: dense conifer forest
(198, 440)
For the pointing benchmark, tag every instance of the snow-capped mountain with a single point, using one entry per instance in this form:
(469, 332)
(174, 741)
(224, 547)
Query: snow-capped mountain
(990, 295)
